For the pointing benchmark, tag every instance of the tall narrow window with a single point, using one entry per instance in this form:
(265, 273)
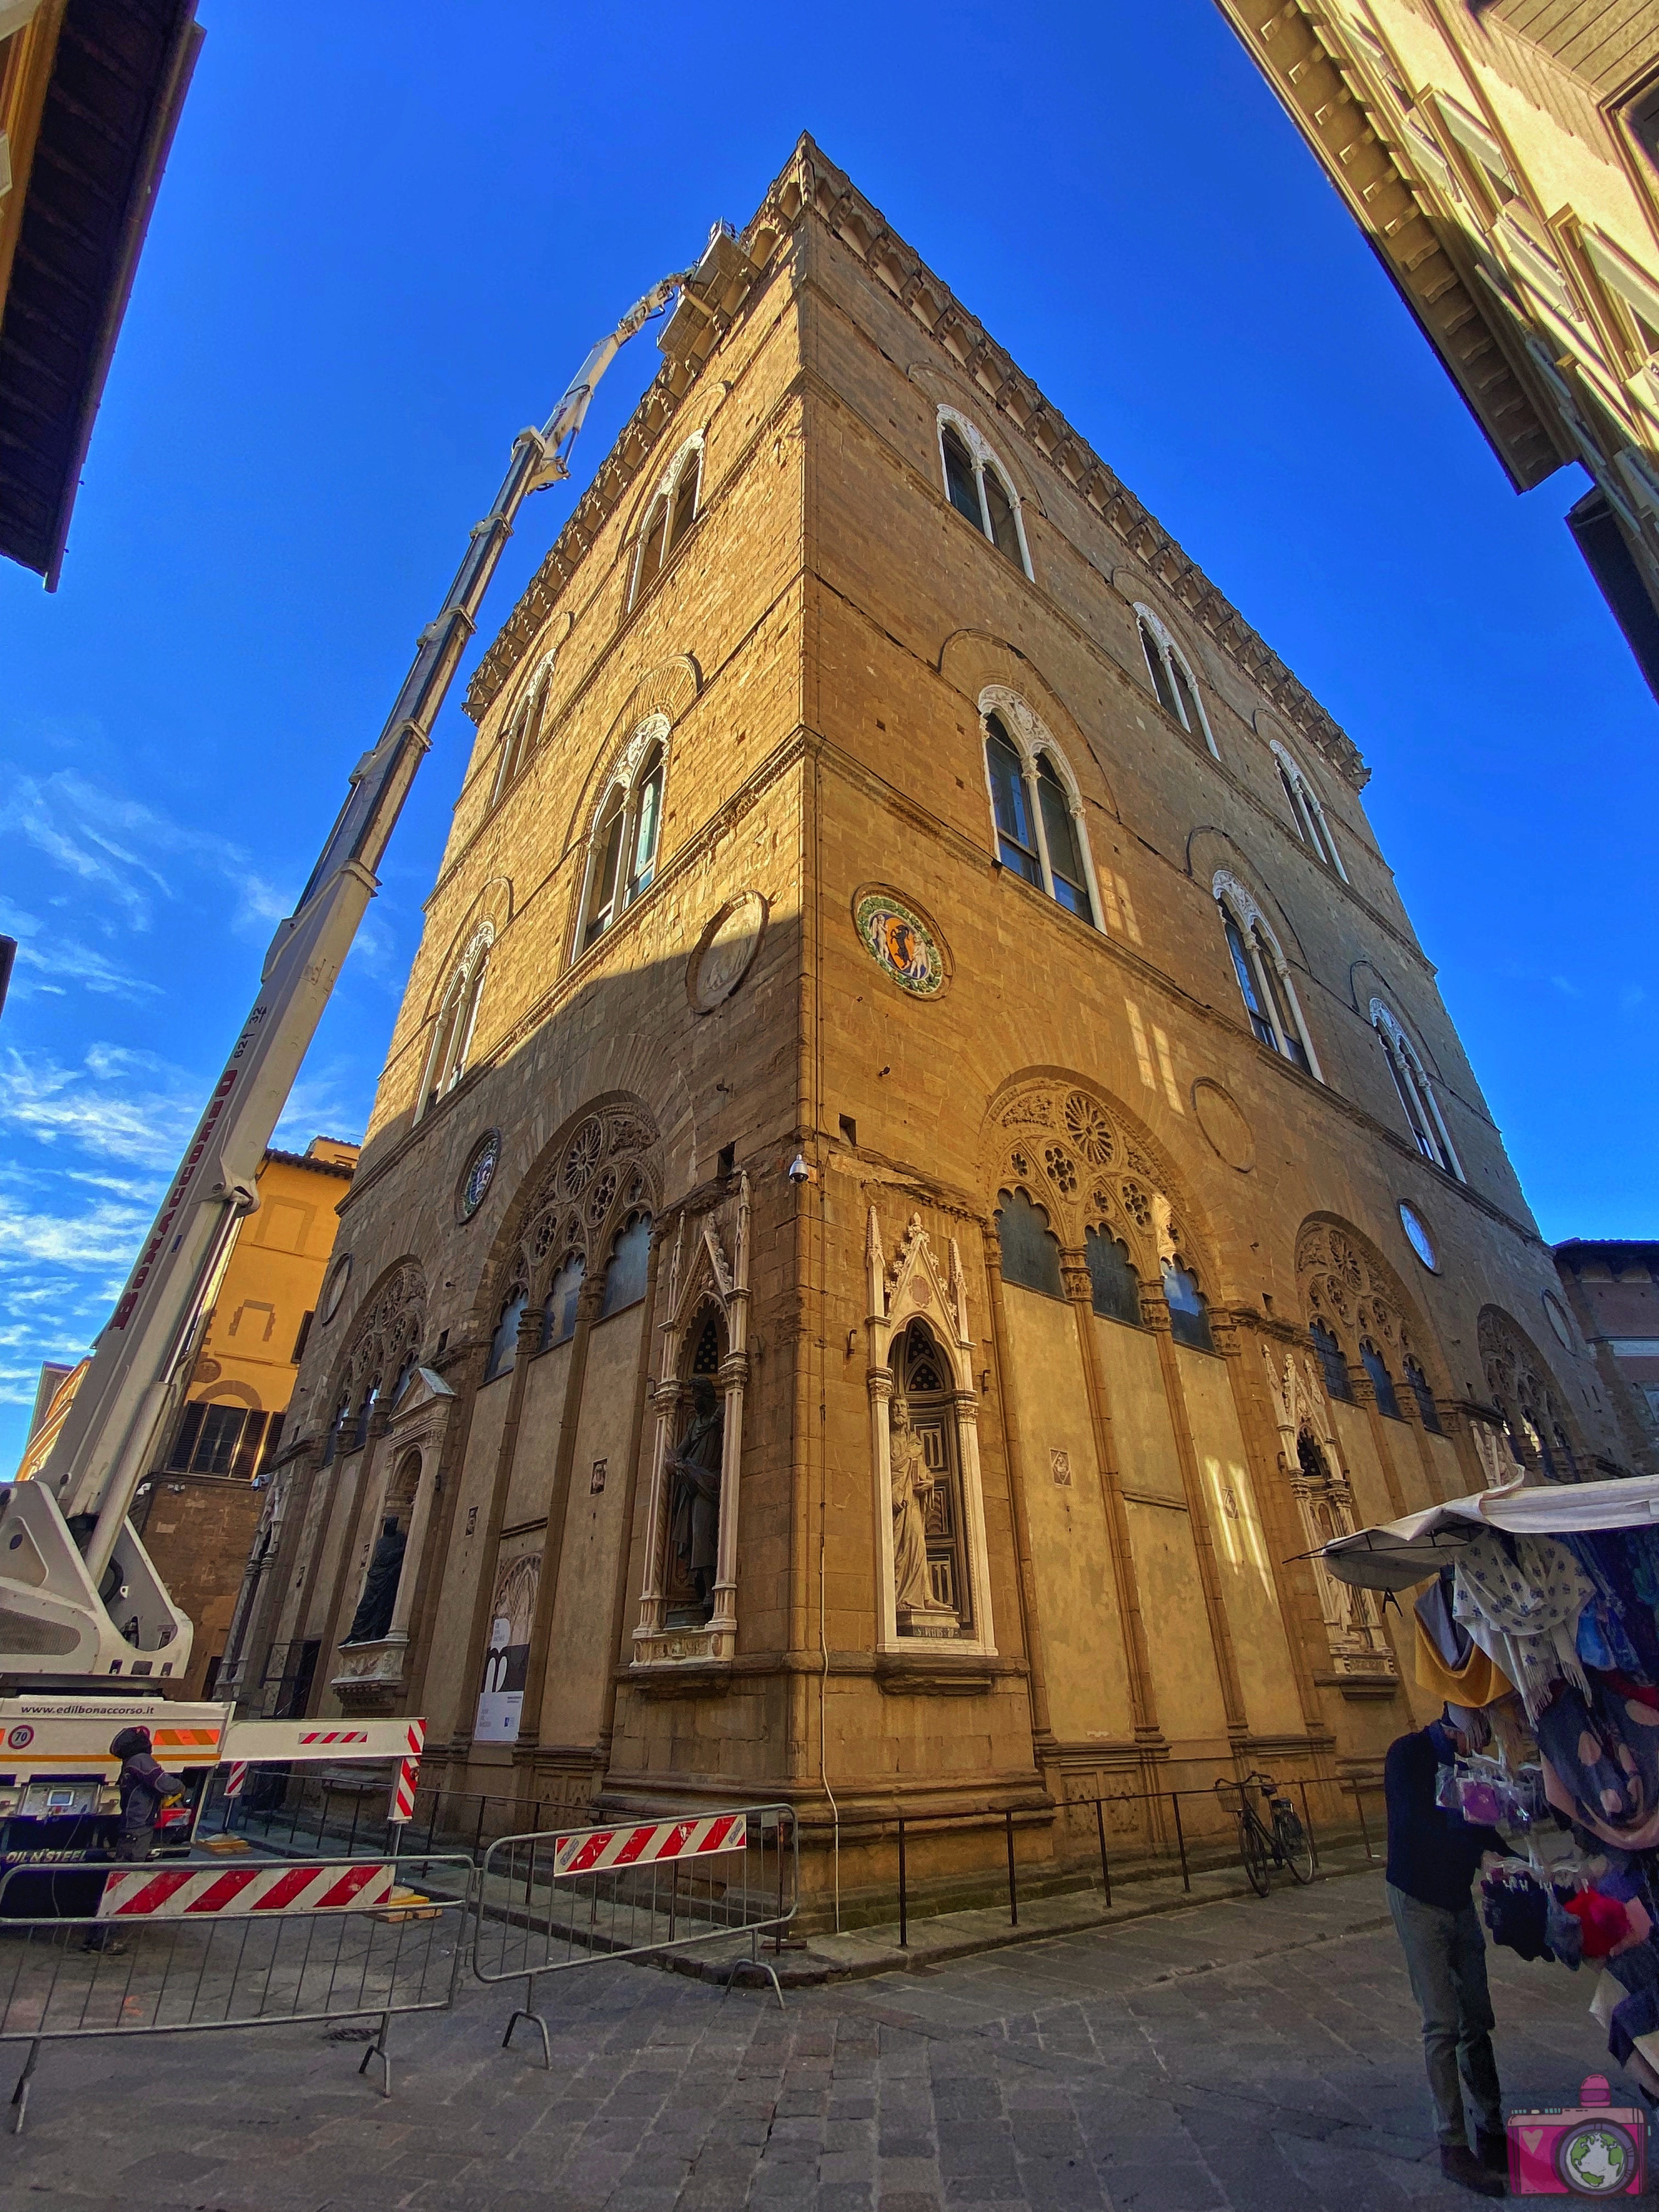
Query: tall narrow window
(1172, 679)
(673, 511)
(559, 1308)
(1424, 1397)
(1037, 815)
(978, 486)
(1189, 1320)
(1115, 1288)
(504, 1345)
(1381, 1381)
(1420, 1106)
(523, 729)
(452, 1038)
(1264, 981)
(1335, 1367)
(624, 1279)
(1306, 815)
(1030, 1250)
(621, 863)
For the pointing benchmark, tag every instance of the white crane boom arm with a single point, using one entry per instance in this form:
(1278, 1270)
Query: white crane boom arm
(106, 1444)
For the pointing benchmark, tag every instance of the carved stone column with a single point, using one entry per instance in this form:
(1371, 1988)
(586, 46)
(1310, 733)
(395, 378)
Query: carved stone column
(588, 1301)
(1143, 1703)
(1155, 1312)
(879, 1387)
(670, 1401)
(730, 1381)
(1025, 1575)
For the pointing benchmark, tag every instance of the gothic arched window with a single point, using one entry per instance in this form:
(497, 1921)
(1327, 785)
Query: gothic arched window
(622, 852)
(1189, 1320)
(981, 488)
(504, 1345)
(1030, 1250)
(624, 1279)
(1335, 1367)
(1264, 979)
(452, 1036)
(1422, 1108)
(1115, 1287)
(1381, 1381)
(673, 511)
(1173, 680)
(1424, 1397)
(1306, 815)
(523, 728)
(1036, 804)
(559, 1307)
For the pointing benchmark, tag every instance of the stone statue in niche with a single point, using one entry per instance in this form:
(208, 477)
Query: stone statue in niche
(374, 1608)
(694, 1511)
(919, 1612)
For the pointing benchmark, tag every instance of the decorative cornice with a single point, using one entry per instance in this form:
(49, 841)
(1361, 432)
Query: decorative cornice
(810, 185)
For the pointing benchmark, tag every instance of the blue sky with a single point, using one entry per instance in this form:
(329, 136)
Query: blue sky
(386, 239)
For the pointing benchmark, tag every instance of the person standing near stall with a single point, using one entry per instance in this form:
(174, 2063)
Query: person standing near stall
(1434, 1855)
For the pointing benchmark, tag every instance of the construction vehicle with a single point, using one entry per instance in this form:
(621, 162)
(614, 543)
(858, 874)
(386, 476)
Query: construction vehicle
(80, 1601)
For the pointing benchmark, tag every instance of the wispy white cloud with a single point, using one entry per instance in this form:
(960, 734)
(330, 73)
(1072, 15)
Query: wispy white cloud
(128, 850)
(42, 952)
(104, 1235)
(119, 1105)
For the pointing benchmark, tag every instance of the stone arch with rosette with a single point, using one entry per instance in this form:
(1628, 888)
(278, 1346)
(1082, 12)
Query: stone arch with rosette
(1079, 1155)
(600, 1169)
(708, 1277)
(384, 1337)
(1346, 1283)
(1539, 1439)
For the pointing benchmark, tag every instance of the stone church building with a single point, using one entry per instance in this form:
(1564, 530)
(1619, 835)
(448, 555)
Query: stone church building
(921, 1168)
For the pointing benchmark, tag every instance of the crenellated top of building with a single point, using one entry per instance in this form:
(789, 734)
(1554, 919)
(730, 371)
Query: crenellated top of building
(812, 187)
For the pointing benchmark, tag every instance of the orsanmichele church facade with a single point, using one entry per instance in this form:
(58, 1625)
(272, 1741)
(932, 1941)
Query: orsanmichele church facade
(921, 1168)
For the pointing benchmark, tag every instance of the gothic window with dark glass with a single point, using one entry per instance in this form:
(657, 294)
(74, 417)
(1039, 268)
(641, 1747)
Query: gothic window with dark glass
(1115, 1287)
(1189, 1320)
(924, 1376)
(624, 1279)
(1030, 1250)
(977, 488)
(335, 1428)
(1308, 817)
(559, 1307)
(1337, 1382)
(1244, 968)
(1420, 1106)
(1274, 1018)
(623, 850)
(1060, 835)
(670, 516)
(1172, 680)
(1424, 1397)
(504, 1345)
(452, 1039)
(1017, 846)
(365, 1414)
(1381, 1380)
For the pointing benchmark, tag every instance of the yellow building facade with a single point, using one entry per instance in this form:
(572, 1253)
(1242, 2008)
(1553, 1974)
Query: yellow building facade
(921, 1168)
(1503, 160)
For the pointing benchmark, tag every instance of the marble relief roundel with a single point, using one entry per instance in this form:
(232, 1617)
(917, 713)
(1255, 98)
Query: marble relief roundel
(903, 945)
(725, 951)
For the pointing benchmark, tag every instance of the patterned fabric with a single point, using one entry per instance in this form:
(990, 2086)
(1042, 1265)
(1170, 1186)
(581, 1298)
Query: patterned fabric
(1601, 1756)
(1529, 1591)
(1624, 1564)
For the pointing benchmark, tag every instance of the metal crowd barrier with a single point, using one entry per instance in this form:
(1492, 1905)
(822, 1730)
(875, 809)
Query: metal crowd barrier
(180, 1946)
(569, 1897)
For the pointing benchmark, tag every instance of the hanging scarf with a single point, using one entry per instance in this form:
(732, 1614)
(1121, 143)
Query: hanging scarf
(1529, 1591)
(1600, 1755)
(1624, 1564)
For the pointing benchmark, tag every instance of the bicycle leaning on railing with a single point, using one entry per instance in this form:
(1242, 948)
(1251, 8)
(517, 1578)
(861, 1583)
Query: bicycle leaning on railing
(1285, 1843)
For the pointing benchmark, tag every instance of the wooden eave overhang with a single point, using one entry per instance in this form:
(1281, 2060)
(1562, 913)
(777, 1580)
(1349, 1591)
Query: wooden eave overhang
(812, 187)
(1429, 258)
(119, 70)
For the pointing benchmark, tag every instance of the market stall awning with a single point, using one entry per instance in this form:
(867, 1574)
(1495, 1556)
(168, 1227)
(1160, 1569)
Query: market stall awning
(1402, 1553)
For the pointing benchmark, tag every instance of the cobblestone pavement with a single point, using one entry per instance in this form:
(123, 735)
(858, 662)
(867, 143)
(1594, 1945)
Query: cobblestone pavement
(1257, 2056)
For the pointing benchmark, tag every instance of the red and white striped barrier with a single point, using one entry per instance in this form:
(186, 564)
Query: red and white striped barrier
(597, 1849)
(187, 1892)
(237, 1776)
(403, 1789)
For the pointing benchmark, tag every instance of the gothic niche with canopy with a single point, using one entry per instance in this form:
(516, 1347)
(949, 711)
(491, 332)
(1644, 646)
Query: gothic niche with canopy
(932, 1583)
(688, 1605)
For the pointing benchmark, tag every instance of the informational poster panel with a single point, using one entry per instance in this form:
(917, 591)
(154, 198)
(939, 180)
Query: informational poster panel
(512, 1610)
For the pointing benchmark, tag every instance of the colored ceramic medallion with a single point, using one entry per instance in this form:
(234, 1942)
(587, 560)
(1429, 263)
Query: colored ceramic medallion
(901, 943)
(480, 1174)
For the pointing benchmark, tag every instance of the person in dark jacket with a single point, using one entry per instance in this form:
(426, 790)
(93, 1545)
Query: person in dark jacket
(144, 1786)
(1434, 1855)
